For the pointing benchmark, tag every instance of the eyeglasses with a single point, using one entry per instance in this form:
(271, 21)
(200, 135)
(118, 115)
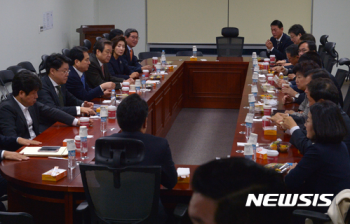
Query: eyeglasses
(135, 37)
(64, 71)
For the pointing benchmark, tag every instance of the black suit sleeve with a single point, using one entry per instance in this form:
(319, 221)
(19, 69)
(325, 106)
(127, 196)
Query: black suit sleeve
(8, 120)
(7, 142)
(300, 99)
(300, 141)
(169, 174)
(55, 114)
(71, 100)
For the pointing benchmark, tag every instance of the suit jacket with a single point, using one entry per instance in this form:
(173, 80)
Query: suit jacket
(8, 142)
(75, 86)
(95, 77)
(119, 68)
(280, 52)
(301, 142)
(324, 169)
(13, 122)
(157, 152)
(134, 65)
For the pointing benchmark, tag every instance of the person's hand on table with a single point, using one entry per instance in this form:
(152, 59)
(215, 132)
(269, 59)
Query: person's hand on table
(88, 104)
(88, 111)
(275, 118)
(108, 85)
(130, 80)
(289, 112)
(280, 82)
(291, 76)
(147, 67)
(90, 122)
(23, 141)
(289, 90)
(269, 44)
(134, 75)
(292, 167)
(281, 62)
(14, 156)
(288, 123)
(277, 69)
(287, 99)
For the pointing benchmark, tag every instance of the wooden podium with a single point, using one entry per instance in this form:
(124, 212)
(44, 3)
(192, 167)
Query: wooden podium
(90, 32)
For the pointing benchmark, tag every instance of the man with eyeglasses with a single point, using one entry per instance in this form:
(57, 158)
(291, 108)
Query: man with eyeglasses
(306, 46)
(132, 38)
(54, 92)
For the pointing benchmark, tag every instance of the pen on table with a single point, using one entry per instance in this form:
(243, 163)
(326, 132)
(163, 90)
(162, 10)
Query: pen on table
(57, 158)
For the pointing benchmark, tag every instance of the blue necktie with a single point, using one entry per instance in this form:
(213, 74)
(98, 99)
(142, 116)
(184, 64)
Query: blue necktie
(83, 80)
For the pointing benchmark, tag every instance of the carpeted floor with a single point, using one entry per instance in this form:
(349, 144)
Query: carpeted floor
(200, 135)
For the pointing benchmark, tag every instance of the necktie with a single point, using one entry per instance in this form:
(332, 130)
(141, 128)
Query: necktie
(278, 44)
(60, 97)
(83, 80)
(103, 71)
(130, 54)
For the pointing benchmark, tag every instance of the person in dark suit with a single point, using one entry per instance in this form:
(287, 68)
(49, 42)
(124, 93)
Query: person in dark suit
(115, 33)
(324, 168)
(98, 72)
(118, 66)
(278, 42)
(76, 83)
(132, 119)
(20, 113)
(54, 92)
(132, 38)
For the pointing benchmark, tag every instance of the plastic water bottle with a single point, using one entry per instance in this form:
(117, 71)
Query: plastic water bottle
(143, 82)
(113, 98)
(194, 51)
(71, 153)
(163, 59)
(83, 142)
(104, 115)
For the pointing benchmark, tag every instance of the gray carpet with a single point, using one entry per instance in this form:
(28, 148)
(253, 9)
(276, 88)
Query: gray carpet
(199, 135)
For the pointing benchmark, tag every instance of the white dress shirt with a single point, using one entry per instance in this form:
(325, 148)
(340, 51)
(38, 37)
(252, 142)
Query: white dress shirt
(28, 119)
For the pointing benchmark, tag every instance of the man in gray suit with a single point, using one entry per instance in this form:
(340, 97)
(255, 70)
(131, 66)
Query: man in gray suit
(98, 72)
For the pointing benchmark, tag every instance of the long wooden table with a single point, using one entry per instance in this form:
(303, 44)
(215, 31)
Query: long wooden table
(215, 83)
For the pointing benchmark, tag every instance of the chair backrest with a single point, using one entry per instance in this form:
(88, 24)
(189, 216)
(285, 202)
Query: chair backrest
(15, 69)
(6, 77)
(323, 39)
(346, 106)
(188, 53)
(134, 201)
(329, 62)
(16, 217)
(340, 76)
(42, 65)
(27, 65)
(98, 38)
(65, 52)
(87, 44)
(229, 46)
(145, 55)
(106, 35)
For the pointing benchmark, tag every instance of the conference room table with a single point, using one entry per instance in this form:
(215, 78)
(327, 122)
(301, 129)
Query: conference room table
(214, 83)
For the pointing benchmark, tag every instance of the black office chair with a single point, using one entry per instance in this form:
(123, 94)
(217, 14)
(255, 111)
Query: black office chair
(323, 41)
(27, 65)
(345, 61)
(15, 69)
(106, 35)
(6, 77)
(65, 52)
(330, 57)
(340, 76)
(346, 106)
(188, 53)
(16, 217)
(230, 45)
(87, 44)
(98, 38)
(145, 55)
(42, 65)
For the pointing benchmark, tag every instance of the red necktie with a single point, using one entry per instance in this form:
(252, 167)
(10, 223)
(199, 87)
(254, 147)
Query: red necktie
(103, 72)
(130, 54)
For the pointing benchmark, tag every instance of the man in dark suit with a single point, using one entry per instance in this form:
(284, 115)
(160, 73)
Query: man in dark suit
(54, 92)
(98, 72)
(132, 119)
(20, 113)
(132, 38)
(76, 83)
(278, 42)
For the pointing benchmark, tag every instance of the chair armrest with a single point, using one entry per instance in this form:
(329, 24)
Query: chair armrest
(82, 207)
(317, 216)
(3, 198)
(180, 210)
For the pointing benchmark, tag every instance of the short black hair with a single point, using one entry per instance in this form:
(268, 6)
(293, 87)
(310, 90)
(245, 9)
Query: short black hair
(304, 66)
(311, 45)
(227, 179)
(309, 37)
(292, 50)
(116, 40)
(323, 88)
(311, 56)
(296, 29)
(77, 53)
(129, 31)
(100, 44)
(25, 81)
(132, 113)
(55, 61)
(277, 23)
(114, 33)
(320, 73)
(327, 122)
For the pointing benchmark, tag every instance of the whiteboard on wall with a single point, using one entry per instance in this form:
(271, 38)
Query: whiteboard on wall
(201, 21)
